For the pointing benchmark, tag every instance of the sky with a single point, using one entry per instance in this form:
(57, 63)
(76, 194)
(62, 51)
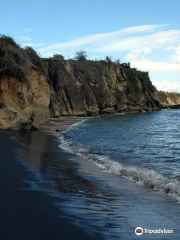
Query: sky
(143, 32)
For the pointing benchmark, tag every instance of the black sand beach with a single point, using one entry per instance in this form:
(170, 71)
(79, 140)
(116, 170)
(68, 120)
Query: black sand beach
(49, 193)
(26, 214)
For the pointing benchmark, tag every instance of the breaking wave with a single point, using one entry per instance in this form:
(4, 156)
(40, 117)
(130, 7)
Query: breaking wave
(142, 176)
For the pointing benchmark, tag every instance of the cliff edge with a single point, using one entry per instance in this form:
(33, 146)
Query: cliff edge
(24, 90)
(98, 87)
(169, 98)
(33, 89)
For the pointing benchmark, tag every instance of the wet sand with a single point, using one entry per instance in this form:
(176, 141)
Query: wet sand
(29, 214)
(61, 124)
(48, 193)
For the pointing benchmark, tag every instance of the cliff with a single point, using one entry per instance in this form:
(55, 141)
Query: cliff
(24, 91)
(24, 104)
(169, 98)
(97, 87)
(33, 89)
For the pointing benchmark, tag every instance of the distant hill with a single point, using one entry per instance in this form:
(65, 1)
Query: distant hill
(169, 98)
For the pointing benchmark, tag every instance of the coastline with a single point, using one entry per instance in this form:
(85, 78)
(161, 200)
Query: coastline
(49, 193)
(141, 197)
(61, 124)
(29, 213)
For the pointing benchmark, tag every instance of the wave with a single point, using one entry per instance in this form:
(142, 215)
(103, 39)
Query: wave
(142, 176)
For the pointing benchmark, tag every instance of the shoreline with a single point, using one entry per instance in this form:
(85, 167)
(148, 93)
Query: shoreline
(128, 173)
(149, 191)
(61, 124)
(48, 187)
(29, 213)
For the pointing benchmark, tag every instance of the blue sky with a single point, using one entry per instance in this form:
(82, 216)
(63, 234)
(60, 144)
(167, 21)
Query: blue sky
(144, 32)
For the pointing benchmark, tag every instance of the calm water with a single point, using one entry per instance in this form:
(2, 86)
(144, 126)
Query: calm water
(111, 174)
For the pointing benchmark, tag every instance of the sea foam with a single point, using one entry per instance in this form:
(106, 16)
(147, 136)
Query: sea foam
(142, 176)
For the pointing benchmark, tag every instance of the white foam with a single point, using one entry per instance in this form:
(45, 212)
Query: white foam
(143, 176)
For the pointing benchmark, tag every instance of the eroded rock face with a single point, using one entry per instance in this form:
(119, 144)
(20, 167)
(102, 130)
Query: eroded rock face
(90, 88)
(24, 104)
(169, 98)
(74, 88)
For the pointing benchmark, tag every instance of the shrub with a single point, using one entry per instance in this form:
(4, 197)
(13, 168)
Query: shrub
(145, 82)
(35, 58)
(106, 73)
(6, 40)
(58, 56)
(81, 56)
(163, 96)
(132, 77)
(14, 61)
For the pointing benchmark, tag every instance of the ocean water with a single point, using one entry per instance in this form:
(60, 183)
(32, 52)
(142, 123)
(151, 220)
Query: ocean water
(143, 147)
(111, 174)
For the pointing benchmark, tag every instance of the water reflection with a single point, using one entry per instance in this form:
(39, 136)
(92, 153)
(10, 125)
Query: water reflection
(103, 204)
(86, 203)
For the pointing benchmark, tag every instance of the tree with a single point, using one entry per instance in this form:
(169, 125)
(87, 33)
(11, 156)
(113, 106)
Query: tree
(81, 56)
(58, 56)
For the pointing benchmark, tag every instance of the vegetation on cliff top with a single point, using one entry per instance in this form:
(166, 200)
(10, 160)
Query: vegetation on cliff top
(35, 58)
(16, 61)
(164, 96)
(81, 56)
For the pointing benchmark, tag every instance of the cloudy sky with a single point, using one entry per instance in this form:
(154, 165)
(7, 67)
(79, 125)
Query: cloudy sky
(143, 32)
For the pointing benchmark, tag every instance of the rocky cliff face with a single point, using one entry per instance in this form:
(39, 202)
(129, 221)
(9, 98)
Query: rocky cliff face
(32, 90)
(73, 88)
(24, 104)
(90, 88)
(169, 98)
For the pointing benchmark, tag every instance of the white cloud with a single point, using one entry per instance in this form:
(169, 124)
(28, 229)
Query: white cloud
(29, 29)
(25, 38)
(176, 56)
(155, 40)
(114, 41)
(168, 85)
(33, 44)
(138, 53)
(153, 48)
(50, 54)
(156, 66)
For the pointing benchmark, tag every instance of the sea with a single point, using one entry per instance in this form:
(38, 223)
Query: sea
(112, 174)
(140, 149)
